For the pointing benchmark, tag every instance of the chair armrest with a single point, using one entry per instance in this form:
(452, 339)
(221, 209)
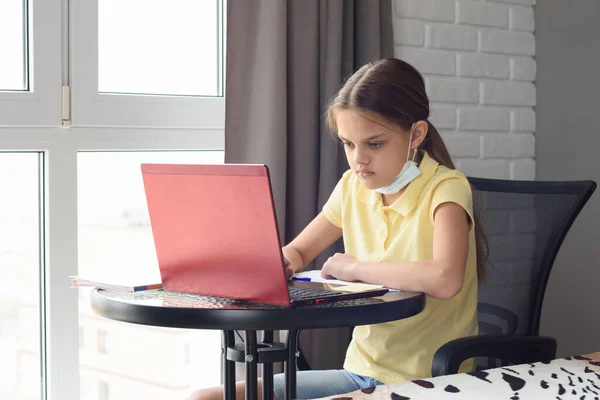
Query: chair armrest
(510, 348)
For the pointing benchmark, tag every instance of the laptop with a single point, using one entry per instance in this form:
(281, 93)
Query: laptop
(215, 233)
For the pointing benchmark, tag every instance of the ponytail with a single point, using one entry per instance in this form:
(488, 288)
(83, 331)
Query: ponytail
(435, 147)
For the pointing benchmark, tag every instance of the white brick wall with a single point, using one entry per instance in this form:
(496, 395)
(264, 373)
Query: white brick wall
(477, 60)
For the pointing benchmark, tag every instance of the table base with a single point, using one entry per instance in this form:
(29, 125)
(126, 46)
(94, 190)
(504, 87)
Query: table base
(253, 353)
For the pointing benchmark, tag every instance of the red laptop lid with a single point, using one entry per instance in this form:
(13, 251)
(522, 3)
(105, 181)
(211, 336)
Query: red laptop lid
(215, 231)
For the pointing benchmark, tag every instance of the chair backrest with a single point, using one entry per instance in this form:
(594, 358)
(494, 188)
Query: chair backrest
(525, 223)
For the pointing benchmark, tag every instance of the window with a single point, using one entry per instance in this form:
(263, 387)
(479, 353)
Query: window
(115, 236)
(83, 390)
(152, 61)
(51, 47)
(173, 57)
(103, 345)
(103, 390)
(187, 353)
(30, 83)
(14, 66)
(20, 311)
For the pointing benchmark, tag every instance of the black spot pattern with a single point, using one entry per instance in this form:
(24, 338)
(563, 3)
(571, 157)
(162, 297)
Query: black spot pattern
(425, 384)
(514, 382)
(569, 380)
(451, 389)
(561, 389)
(544, 384)
(511, 370)
(480, 375)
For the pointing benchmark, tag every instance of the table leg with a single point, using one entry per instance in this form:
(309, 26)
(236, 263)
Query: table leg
(251, 366)
(229, 366)
(267, 382)
(290, 365)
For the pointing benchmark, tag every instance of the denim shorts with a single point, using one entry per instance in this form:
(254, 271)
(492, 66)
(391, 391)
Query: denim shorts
(316, 384)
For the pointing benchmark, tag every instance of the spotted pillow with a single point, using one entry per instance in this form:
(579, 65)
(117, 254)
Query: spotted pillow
(575, 377)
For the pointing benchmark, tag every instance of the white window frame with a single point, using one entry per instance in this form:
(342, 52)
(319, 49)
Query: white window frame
(59, 339)
(40, 106)
(102, 342)
(90, 108)
(32, 122)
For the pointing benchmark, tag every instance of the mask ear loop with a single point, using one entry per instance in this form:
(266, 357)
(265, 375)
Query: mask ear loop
(414, 155)
(408, 148)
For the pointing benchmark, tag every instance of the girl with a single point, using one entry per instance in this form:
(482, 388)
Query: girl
(406, 217)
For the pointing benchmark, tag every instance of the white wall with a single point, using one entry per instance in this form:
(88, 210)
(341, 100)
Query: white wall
(477, 58)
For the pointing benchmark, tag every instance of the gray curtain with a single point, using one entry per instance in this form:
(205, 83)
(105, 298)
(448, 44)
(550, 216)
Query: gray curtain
(285, 61)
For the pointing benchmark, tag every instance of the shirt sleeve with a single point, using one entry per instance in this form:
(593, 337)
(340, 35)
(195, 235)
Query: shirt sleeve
(453, 190)
(334, 205)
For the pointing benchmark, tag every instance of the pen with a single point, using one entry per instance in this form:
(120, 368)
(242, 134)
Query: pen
(300, 278)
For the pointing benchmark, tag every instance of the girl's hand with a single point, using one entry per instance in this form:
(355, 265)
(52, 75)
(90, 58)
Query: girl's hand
(340, 266)
(292, 260)
(289, 269)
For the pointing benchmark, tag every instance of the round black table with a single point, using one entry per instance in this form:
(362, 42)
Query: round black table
(180, 310)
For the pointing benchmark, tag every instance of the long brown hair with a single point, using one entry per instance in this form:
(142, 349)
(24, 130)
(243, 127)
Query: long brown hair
(395, 90)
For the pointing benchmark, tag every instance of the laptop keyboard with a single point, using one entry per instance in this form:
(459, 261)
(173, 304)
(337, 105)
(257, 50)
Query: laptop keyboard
(300, 293)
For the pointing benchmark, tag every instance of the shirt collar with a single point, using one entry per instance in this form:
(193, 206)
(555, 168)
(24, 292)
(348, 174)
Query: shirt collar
(408, 200)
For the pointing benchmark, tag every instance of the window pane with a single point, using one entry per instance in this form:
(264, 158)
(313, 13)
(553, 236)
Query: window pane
(159, 47)
(13, 33)
(122, 360)
(20, 361)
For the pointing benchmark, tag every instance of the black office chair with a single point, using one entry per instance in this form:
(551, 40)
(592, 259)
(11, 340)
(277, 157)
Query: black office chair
(526, 223)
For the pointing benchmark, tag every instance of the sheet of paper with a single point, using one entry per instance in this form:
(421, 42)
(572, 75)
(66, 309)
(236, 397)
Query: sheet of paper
(315, 276)
(355, 287)
(125, 281)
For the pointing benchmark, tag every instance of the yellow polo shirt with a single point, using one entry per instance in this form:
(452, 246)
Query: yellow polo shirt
(403, 350)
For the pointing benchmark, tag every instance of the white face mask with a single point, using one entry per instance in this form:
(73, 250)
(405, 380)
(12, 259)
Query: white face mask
(410, 171)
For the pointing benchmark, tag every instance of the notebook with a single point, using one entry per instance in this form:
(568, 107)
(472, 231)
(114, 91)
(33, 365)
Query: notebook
(215, 233)
(117, 283)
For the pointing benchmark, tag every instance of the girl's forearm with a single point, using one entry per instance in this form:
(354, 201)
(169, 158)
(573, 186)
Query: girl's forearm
(432, 277)
(295, 257)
